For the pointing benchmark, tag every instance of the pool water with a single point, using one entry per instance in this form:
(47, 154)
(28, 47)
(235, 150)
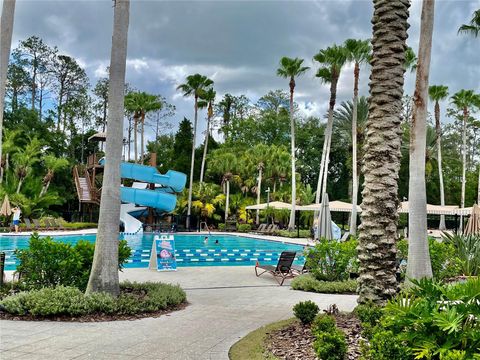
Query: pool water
(190, 250)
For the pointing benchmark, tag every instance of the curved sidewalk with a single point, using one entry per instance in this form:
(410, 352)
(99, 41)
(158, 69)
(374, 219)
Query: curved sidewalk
(226, 303)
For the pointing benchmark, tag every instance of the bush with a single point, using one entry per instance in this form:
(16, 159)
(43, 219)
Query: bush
(135, 298)
(429, 321)
(323, 323)
(306, 311)
(48, 263)
(293, 234)
(308, 283)
(221, 227)
(244, 227)
(369, 314)
(330, 345)
(467, 251)
(332, 260)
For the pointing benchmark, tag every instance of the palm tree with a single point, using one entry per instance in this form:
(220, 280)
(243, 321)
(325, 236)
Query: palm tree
(464, 100)
(195, 86)
(358, 51)
(207, 101)
(52, 163)
(257, 158)
(378, 231)
(438, 93)
(25, 159)
(104, 274)
(331, 61)
(290, 69)
(410, 60)
(9, 146)
(419, 265)
(207, 196)
(279, 168)
(140, 104)
(224, 163)
(473, 28)
(6, 31)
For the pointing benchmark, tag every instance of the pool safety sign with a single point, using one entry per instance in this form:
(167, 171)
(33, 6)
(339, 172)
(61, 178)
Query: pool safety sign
(162, 257)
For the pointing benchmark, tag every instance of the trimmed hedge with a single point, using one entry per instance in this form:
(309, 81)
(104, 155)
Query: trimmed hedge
(134, 299)
(309, 283)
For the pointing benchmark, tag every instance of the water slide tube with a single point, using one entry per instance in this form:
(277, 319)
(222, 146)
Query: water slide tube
(164, 200)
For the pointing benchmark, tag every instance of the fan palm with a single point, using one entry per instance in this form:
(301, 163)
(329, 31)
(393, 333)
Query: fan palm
(381, 160)
(6, 31)
(225, 164)
(52, 163)
(195, 86)
(290, 69)
(25, 159)
(473, 28)
(436, 94)
(358, 52)
(464, 101)
(331, 60)
(410, 60)
(9, 147)
(207, 100)
(279, 168)
(104, 273)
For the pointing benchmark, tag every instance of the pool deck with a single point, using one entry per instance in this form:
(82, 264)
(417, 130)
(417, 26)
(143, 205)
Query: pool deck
(225, 303)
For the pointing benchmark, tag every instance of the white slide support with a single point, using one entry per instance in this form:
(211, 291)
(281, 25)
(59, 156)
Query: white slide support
(131, 224)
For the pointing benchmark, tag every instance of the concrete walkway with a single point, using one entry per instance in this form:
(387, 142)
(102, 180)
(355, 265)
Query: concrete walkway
(226, 303)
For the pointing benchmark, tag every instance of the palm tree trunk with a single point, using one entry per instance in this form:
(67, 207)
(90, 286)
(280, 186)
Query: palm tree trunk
(478, 187)
(202, 169)
(192, 165)
(440, 167)
(464, 163)
(227, 200)
(104, 274)
(353, 217)
(259, 193)
(6, 31)
(291, 223)
(135, 141)
(142, 138)
(20, 183)
(378, 231)
(129, 137)
(419, 265)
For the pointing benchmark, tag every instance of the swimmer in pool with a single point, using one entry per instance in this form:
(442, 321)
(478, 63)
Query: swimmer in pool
(216, 242)
(205, 241)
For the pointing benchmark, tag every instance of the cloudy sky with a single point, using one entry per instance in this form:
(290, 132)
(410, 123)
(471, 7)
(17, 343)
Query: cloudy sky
(239, 43)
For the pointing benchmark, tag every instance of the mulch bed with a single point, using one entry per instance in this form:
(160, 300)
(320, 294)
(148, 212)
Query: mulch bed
(94, 317)
(295, 342)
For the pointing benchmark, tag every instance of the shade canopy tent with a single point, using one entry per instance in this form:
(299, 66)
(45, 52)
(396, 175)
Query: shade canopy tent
(100, 136)
(278, 205)
(473, 225)
(432, 209)
(336, 206)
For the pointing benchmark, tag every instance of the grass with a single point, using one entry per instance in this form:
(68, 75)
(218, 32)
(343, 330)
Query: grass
(252, 346)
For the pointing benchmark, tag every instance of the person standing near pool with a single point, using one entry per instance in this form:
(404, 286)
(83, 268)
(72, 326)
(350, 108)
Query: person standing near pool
(16, 217)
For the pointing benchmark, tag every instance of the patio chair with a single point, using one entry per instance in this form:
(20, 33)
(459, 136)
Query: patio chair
(302, 269)
(57, 225)
(28, 224)
(261, 228)
(266, 230)
(272, 229)
(37, 224)
(49, 225)
(282, 271)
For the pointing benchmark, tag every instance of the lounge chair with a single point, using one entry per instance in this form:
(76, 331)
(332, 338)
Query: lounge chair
(28, 224)
(261, 228)
(282, 271)
(49, 225)
(37, 224)
(56, 224)
(272, 229)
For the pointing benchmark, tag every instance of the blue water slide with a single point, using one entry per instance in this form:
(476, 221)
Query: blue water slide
(158, 200)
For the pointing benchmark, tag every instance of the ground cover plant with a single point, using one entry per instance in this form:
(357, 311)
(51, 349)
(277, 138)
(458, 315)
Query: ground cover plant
(307, 282)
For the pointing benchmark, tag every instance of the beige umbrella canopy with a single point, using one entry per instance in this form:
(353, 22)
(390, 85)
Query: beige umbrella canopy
(274, 205)
(473, 225)
(6, 209)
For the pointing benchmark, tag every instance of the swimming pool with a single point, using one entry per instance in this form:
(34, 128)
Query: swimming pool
(190, 250)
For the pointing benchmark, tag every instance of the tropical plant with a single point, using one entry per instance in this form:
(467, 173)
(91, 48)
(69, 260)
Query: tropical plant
(207, 99)
(419, 265)
(411, 60)
(196, 85)
(9, 147)
(104, 274)
(438, 93)
(473, 28)
(467, 250)
(207, 197)
(25, 159)
(331, 60)
(290, 69)
(378, 232)
(52, 163)
(358, 52)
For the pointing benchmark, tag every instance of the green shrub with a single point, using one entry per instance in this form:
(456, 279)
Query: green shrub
(430, 319)
(308, 283)
(330, 345)
(305, 311)
(332, 260)
(369, 313)
(293, 234)
(244, 227)
(134, 299)
(47, 263)
(323, 323)
(221, 227)
(467, 251)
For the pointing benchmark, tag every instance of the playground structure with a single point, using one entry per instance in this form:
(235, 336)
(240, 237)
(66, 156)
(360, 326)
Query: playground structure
(150, 189)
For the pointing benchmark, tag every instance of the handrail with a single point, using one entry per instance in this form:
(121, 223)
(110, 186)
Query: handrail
(76, 178)
(93, 195)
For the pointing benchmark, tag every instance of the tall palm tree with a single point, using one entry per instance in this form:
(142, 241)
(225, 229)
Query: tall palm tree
(464, 100)
(358, 52)
(331, 60)
(410, 60)
(419, 265)
(290, 69)
(473, 28)
(257, 158)
(140, 104)
(207, 101)
(438, 93)
(25, 159)
(195, 86)
(104, 274)
(9, 146)
(6, 31)
(224, 163)
(52, 163)
(381, 161)
(279, 166)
